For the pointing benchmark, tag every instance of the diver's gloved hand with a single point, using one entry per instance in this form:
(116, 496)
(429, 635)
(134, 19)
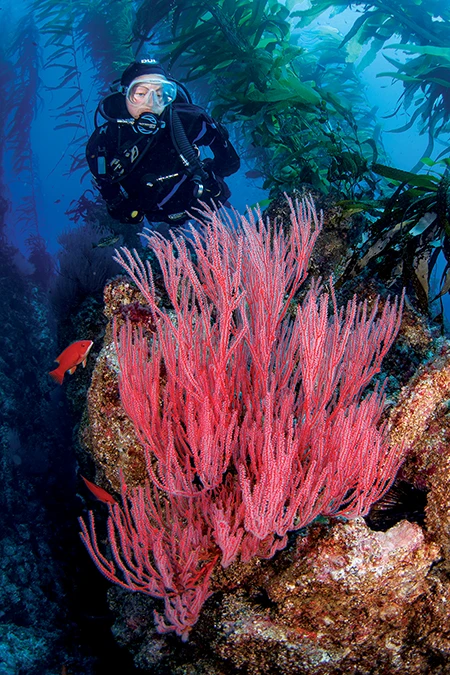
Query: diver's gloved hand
(122, 210)
(208, 166)
(134, 218)
(215, 187)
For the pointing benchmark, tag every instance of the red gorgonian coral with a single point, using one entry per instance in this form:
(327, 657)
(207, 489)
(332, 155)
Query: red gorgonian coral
(259, 424)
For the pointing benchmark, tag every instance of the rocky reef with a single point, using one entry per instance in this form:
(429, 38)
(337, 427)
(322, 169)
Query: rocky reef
(342, 598)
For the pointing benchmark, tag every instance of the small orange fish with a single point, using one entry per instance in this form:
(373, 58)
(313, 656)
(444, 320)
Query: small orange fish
(99, 492)
(70, 358)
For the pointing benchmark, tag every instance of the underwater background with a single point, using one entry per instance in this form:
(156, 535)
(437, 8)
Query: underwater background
(348, 101)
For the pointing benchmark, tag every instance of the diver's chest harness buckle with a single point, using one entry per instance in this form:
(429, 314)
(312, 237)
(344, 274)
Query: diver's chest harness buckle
(130, 154)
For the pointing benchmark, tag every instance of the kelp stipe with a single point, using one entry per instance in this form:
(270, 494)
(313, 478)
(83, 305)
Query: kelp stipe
(23, 102)
(6, 80)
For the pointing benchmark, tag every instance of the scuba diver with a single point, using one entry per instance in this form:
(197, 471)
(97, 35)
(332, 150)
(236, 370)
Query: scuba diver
(146, 159)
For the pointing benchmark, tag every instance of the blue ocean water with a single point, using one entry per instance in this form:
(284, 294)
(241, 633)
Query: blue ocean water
(58, 60)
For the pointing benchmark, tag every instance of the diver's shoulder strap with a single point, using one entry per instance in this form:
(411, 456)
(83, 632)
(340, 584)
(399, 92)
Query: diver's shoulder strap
(184, 107)
(198, 111)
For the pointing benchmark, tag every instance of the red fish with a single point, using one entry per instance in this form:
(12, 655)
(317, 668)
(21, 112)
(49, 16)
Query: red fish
(70, 358)
(99, 492)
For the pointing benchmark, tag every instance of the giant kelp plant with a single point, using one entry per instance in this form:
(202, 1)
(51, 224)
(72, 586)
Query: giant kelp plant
(97, 30)
(24, 99)
(409, 221)
(424, 31)
(426, 81)
(6, 77)
(408, 230)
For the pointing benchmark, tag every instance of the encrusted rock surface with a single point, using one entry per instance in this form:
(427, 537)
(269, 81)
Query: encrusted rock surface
(107, 433)
(331, 251)
(340, 600)
(345, 601)
(422, 420)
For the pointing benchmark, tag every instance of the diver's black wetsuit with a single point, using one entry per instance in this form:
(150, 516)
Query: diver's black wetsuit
(144, 174)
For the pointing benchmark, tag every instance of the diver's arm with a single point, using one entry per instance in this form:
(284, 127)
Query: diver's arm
(226, 160)
(118, 205)
(121, 208)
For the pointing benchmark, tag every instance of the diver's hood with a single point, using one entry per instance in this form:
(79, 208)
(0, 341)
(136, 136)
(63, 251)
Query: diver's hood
(113, 108)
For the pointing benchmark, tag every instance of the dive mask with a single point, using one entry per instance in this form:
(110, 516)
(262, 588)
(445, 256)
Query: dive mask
(150, 93)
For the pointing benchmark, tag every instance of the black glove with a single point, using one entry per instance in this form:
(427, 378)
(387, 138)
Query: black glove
(208, 165)
(215, 187)
(121, 209)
